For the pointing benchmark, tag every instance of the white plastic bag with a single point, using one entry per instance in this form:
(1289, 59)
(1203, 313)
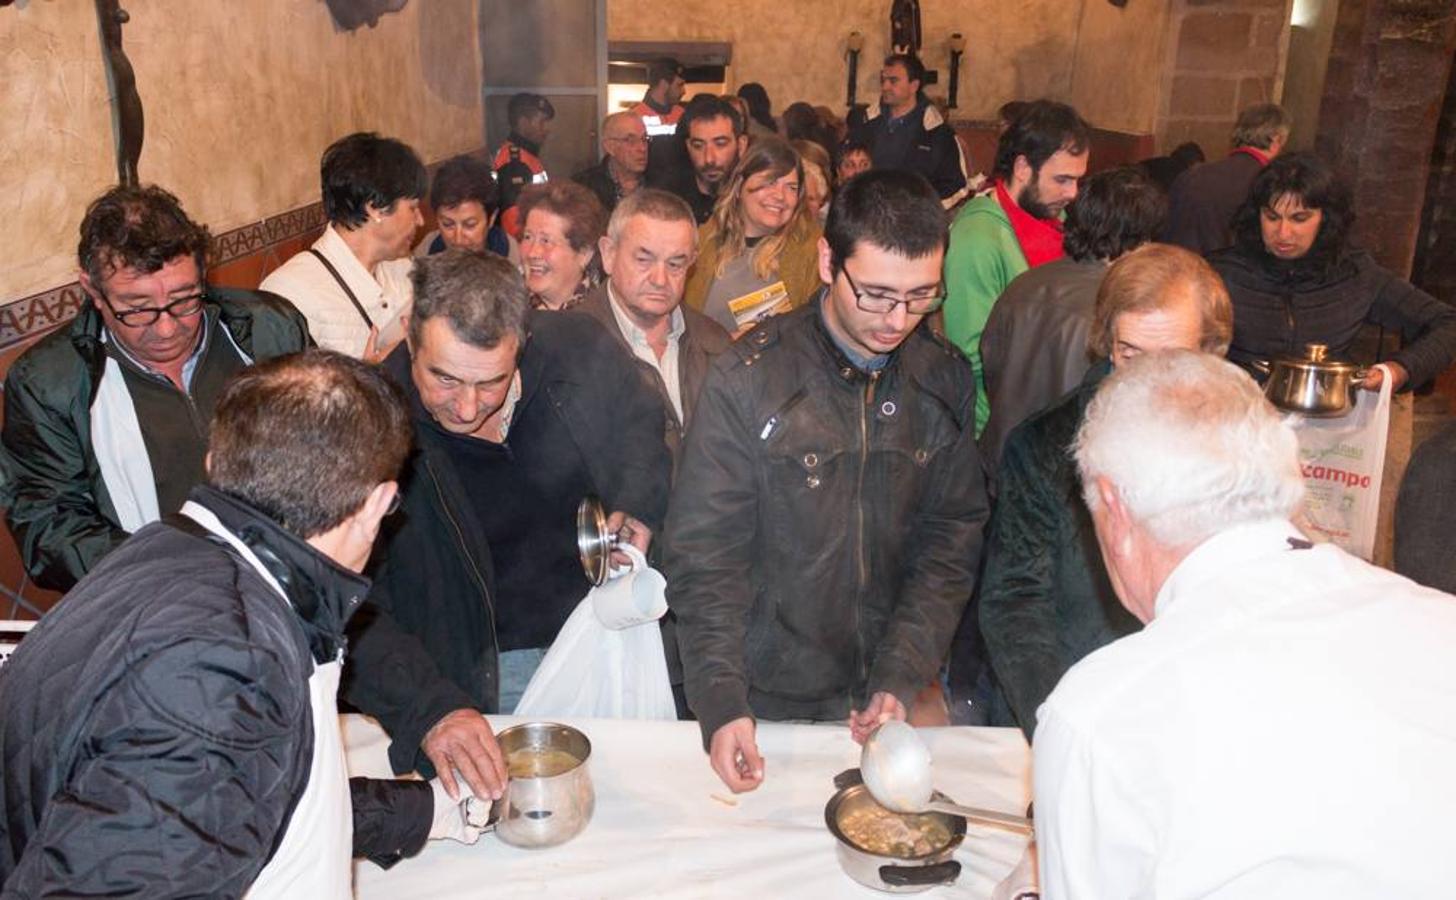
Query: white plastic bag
(1343, 460)
(607, 661)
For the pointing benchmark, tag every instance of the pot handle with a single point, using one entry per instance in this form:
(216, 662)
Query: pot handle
(1261, 366)
(920, 876)
(493, 811)
(848, 779)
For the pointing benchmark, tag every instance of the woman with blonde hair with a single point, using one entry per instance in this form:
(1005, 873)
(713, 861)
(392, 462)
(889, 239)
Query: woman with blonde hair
(758, 254)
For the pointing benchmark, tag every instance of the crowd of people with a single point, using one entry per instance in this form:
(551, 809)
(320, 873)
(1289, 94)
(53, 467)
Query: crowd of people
(906, 444)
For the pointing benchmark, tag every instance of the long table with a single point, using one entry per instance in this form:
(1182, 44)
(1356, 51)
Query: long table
(659, 831)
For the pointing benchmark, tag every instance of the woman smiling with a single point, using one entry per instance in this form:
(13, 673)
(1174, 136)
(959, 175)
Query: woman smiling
(758, 254)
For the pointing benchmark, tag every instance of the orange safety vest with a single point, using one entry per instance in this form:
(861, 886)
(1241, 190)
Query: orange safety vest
(655, 122)
(515, 167)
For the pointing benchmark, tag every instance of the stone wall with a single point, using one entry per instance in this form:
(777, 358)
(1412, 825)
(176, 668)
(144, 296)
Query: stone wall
(1388, 72)
(1088, 52)
(1220, 56)
(1435, 262)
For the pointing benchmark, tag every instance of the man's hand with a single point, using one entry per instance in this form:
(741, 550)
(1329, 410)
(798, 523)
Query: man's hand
(1398, 377)
(734, 756)
(373, 353)
(463, 740)
(629, 531)
(882, 707)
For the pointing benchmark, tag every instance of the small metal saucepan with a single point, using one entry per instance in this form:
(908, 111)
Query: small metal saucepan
(883, 871)
(549, 799)
(1312, 385)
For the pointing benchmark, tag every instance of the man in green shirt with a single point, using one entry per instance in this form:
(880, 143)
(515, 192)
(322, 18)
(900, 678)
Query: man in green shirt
(1014, 226)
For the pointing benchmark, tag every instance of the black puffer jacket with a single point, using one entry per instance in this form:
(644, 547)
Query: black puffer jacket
(585, 414)
(825, 525)
(1280, 306)
(155, 727)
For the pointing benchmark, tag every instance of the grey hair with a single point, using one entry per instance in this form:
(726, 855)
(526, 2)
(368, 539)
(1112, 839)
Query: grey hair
(1191, 446)
(1259, 125)
(655, 204)
(481, 295)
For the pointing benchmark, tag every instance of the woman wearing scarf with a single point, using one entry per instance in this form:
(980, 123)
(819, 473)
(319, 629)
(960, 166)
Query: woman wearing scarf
(561, 223)
(758, 254)
(1294, 279)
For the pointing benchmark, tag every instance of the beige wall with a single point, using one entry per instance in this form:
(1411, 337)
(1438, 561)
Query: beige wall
(240, 99)
(1088, 52)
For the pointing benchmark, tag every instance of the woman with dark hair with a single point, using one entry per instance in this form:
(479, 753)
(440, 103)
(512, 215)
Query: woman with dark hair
(561, 223)
(758, 254)
(463, 196)
(760, 111)
(1295, 279)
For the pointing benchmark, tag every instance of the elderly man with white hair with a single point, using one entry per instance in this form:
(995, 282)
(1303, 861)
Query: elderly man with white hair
(1285, 724)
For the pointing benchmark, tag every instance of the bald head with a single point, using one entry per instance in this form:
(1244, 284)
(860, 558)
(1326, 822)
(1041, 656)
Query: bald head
(624, 138)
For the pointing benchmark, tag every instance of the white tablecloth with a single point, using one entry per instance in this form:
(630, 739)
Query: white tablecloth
(658, 832)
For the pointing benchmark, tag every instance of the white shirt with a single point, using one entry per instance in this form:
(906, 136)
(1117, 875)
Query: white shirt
(1284, 727)
(385, 294)
(314, 857)
(667, 367)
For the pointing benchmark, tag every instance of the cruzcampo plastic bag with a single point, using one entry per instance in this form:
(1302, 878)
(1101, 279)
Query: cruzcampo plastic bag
(1343, 460)
(607, 661)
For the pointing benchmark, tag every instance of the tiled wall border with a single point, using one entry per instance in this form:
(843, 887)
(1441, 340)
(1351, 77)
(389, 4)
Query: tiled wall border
(30, 317)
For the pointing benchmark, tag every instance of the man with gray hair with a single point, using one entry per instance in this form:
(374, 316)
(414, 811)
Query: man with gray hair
(624, 160)
(517, 416)
(650, 244)
(1045, 601)
(1246, 691)
(1203, 200)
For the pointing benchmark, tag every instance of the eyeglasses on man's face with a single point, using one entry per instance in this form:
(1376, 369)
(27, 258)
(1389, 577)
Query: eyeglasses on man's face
(142, 316)
(919, 302)
(631, 140)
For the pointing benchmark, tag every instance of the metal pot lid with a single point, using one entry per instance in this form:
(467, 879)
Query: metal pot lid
(1317, 358)
(593, 542)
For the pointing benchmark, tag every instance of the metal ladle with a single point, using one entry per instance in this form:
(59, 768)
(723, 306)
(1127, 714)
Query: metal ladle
(895, 765)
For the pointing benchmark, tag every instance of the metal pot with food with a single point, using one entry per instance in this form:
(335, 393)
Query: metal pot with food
(896, 852)
(549, 798)
(1314, 384)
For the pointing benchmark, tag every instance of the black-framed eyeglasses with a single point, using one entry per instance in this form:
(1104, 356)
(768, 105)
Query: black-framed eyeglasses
(181, 308)
(918, 305)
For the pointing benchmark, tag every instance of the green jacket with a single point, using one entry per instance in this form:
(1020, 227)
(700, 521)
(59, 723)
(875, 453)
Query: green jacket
(984, 256)
(55, 500)
(1046, 601)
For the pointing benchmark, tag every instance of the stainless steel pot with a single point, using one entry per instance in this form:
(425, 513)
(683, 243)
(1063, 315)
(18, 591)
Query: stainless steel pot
(593, 542)
(544, 811)
(883, 872)
(1312, 385)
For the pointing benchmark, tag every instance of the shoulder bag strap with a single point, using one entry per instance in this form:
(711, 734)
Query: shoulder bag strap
(343, 284)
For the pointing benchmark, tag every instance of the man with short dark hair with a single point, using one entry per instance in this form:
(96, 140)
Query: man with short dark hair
(106, 419)
(1016, 225)
(1204, 198)
(661, 106)
(624, 160)
(1034, 348)
(517, 162)
(170, 728)
(353, 283)
(1045, 600)
(908, 132)
(710, 140)
(825, 529)
(517, 417)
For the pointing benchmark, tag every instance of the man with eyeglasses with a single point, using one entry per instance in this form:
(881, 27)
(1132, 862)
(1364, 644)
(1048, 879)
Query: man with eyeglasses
(106, 421)
(624, 143)
(825, 527)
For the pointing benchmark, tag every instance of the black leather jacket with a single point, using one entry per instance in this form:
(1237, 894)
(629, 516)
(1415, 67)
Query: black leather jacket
(825, 526)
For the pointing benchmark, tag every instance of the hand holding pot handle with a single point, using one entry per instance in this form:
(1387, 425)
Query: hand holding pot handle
(1371, 378)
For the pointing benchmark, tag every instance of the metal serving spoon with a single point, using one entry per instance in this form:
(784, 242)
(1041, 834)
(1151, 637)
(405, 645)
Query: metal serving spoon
(895, 765)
